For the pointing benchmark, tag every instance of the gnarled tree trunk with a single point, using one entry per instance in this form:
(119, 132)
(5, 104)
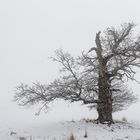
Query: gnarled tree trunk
(104, 105)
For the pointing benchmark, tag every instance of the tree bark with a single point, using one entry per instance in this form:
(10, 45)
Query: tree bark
(104, 105)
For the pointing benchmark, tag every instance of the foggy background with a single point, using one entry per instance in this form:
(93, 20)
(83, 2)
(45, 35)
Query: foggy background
(30, 32)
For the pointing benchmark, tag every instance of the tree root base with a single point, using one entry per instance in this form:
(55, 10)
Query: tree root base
(110, 122)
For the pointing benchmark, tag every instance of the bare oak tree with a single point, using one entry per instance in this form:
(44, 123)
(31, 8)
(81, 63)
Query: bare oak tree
(97, 77)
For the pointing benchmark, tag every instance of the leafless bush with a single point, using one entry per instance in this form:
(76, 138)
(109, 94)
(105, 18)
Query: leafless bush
(124, 119)
(71, 137)
(85, 135)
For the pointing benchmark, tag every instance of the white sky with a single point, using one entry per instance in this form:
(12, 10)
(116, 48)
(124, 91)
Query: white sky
(30, 31)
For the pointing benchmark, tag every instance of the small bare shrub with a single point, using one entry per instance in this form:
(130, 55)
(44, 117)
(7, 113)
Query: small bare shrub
(22, 138)
(13, 133)
(85, 135)
(71, 137)
(124, 119)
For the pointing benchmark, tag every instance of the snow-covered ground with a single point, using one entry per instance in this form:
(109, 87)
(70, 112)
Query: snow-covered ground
(63, 130)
